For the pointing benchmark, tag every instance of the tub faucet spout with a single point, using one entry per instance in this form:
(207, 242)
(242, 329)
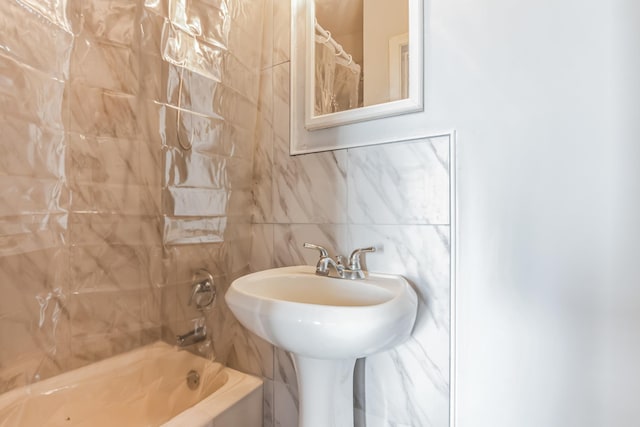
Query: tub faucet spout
(198, 334)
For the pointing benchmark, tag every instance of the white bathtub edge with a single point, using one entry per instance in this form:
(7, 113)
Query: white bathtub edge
(239, 387)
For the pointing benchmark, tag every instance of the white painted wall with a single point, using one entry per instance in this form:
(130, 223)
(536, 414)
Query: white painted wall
(621, 330)
(541, 94)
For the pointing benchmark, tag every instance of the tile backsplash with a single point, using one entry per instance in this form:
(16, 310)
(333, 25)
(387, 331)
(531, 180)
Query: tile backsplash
(395, 197)
(408, 385)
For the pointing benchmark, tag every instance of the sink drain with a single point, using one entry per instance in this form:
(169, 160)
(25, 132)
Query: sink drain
(193, 379)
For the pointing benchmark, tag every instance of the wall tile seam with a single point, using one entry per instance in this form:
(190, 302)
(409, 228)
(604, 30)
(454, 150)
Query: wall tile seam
(209, 153)
(227, 49)
(128, 180)
(58, 76)
(165, 148)
(37, 120)
(43, 178)
(137, 248)
(206, 115)
(89, 292)
(57, 131)
(240, 188)
(266, 67)
(59, 21)
(99, 139)
(184, 27)
(277, 64)
(84, 35)
(118, 93)
(75, 83)
(223, 82)
(228, 219)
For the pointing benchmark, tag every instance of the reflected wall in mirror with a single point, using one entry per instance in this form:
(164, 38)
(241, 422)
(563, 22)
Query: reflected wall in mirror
(361, 53)
(352, 62)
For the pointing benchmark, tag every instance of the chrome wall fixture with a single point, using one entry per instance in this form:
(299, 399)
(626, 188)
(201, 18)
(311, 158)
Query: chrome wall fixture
(204, 291)
(203, 295)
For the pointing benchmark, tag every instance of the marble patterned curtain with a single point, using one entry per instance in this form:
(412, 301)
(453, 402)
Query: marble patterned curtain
(103, 217)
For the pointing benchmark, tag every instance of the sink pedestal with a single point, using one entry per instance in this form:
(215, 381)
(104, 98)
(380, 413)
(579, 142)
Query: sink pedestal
(325, 391)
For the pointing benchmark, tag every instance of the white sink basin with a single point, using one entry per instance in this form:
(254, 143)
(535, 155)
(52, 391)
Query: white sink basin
(324, 317)
(326, 324)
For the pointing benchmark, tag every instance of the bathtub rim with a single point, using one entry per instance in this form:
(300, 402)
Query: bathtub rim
(238, 385)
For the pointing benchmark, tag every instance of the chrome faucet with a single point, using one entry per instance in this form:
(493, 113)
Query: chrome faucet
(355, 265)
(196, 335)
(353, 270)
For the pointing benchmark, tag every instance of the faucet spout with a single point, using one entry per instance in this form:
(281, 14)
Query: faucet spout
(325, 264)
(351, 271)
(198, 334)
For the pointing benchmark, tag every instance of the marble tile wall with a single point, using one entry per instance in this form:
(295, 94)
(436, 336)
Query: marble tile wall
(395, 197)
(103, 217)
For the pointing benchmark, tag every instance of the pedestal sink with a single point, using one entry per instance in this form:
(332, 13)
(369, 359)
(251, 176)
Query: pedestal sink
(325, 323)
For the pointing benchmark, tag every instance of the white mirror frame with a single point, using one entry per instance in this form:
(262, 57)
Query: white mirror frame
(374, 124)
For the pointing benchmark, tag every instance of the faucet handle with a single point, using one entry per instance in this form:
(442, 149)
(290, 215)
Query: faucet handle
(323, 252)
(354, 258)
(202, 284)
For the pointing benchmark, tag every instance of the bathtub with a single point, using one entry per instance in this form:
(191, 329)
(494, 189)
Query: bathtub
(142, 388)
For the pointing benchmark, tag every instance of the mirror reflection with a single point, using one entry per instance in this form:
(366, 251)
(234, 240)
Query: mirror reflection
(361, 53)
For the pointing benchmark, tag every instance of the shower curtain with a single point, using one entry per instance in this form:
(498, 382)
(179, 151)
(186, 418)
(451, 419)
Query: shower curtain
(336, 82)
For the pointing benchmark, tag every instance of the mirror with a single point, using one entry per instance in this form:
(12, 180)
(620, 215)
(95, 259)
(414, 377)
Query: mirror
(353, 61)
(361, 54)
